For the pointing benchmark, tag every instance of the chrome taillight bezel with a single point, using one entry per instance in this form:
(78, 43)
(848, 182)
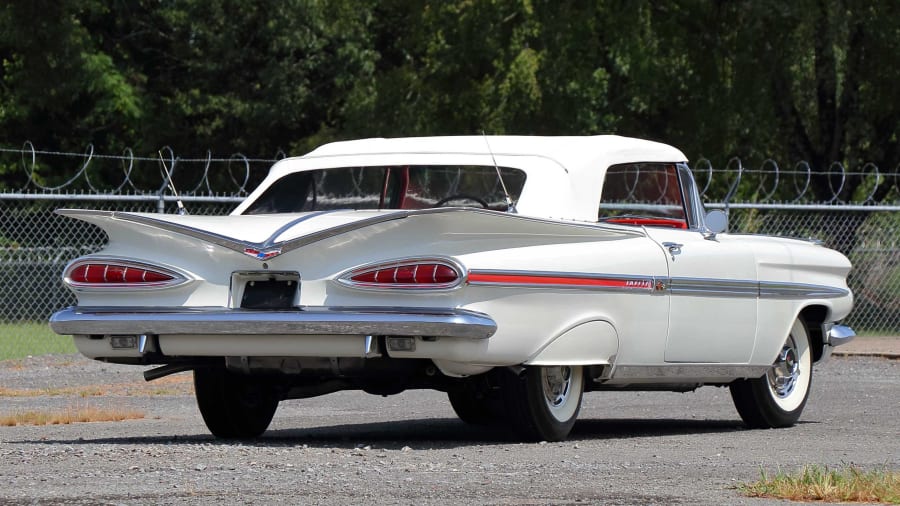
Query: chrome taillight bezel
(177, 278)
(345, 278)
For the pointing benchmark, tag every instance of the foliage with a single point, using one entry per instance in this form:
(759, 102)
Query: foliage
(819, 483)
(812, 79)
(224, 75)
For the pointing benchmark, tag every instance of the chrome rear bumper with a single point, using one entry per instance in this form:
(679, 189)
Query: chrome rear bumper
(431, 322)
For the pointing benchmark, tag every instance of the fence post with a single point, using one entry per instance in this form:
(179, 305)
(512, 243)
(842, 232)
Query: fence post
(733, 189)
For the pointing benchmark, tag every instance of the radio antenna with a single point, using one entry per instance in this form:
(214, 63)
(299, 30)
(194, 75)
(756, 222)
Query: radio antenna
(181, 210)
(510, 206)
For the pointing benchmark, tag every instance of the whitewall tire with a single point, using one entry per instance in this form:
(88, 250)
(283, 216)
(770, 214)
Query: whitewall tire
(778, 398)
(542, 403)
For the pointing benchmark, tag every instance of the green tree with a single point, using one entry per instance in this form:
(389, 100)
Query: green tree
(811, 80)
(225, 75)
(57, 86)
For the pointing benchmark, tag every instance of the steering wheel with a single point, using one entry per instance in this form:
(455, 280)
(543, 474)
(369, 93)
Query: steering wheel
(461, 196)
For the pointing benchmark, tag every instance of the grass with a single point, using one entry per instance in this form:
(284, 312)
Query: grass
(177, 384)
(18, 340)
(819, 483)
(89, 391)
(68, 416)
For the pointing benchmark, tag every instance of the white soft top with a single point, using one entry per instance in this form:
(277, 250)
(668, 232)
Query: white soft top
(563, 174)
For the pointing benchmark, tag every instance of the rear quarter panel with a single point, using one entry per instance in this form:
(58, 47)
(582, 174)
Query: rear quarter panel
(528, 318)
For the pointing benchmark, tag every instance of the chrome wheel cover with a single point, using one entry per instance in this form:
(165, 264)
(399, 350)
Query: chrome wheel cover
(557, 383)
(785, 371)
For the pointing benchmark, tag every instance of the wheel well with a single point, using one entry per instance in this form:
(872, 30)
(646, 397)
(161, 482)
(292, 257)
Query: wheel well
(814, 317)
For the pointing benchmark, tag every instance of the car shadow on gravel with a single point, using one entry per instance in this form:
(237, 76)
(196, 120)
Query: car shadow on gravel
(451, 432)
(436, 432)
(624, 428)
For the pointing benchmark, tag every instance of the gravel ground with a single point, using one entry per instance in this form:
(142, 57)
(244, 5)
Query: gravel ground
(352, 448)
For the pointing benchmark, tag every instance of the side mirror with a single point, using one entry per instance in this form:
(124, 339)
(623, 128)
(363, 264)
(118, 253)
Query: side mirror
(716, 221)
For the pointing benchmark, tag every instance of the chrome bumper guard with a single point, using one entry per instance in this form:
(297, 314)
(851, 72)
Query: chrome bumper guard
(837, 335)
(431, 322)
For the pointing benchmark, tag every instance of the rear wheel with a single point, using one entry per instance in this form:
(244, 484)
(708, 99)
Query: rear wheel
(473, 407)
(778, 398)
(542, 403)
(234, 406)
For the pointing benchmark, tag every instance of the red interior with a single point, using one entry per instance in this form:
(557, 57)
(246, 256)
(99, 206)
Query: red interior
(649, 222)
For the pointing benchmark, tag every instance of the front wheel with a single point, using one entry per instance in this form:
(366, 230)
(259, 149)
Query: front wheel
(778, 398)
(543, 402)
(234, 406)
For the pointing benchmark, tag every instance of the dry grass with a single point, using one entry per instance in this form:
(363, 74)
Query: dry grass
(180, 384)
(21, 364)
(819, 483)
(89, 391)
(69, 415)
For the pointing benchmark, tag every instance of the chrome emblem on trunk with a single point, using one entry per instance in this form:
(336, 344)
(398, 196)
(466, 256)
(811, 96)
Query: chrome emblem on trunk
(262, 254)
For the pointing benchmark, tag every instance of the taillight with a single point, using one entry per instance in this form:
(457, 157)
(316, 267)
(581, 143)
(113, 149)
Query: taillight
(98, 273)
(420, 274)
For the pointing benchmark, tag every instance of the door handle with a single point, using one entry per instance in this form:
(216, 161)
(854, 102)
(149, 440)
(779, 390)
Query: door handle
(674, 248)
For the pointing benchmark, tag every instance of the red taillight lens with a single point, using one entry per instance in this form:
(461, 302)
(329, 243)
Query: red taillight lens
(117, 274)
(444, 274)
(406, 274)
(426, 274)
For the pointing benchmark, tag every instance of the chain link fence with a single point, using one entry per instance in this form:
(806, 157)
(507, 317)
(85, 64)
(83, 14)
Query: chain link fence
(36, 244)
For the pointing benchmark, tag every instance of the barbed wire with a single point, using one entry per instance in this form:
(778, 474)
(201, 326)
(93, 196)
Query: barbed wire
(166, 161)
(734, 183)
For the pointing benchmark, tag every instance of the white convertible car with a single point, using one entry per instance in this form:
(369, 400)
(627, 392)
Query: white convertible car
(512, 273)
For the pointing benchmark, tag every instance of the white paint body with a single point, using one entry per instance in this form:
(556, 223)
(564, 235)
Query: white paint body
(555, 230)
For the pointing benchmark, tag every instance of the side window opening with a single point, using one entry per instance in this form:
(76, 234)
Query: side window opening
(647, 194)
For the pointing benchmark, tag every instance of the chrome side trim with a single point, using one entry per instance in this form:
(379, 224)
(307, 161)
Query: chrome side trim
(749, 288)
(674, 286)
(435, 322)
(709, 286)
(617, 282)
(690, 371)
(778, 290)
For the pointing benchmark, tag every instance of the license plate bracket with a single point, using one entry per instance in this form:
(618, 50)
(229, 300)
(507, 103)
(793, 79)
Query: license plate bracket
(266, 290)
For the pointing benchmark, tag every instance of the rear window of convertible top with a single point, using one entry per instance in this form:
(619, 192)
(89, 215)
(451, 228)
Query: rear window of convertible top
(390, 187)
